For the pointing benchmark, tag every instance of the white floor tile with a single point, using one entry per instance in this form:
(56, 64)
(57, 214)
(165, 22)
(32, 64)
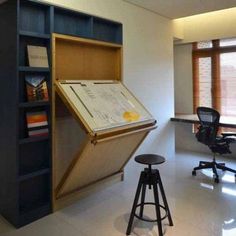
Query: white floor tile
(199, 206)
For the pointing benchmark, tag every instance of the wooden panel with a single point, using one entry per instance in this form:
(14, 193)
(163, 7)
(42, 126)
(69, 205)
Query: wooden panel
(82, 162)
(99, 185)
(99, 161)
(85, 59)
(69, 139)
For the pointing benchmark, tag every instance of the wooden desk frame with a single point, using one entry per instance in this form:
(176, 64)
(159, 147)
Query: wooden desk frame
(91, 161)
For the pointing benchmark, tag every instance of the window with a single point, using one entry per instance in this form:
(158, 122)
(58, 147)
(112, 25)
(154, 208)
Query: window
(205, 44)
(205, 82)
(228, 83)
(214, 75)
(227, 42)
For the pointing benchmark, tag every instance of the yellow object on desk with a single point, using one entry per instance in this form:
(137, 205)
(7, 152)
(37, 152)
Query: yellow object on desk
(131, 116)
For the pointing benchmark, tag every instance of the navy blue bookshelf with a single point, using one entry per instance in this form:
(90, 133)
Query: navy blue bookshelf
(72, 23)
(32, 69)
(34, 35)
(36, 173)
(108, 31)
(33, 139)
(34, 104)
(26, 162)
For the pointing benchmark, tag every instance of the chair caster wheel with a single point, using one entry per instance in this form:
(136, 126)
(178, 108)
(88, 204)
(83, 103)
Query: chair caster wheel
(194, 173)
(217, 180)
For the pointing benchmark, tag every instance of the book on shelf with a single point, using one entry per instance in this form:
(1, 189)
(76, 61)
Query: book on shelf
(37, 123)
(37, 56)
(36, 88)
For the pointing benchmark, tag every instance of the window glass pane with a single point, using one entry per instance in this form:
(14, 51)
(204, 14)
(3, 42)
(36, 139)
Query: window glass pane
(228, 83)
(228, 42)
(205, 44)
(205, 97)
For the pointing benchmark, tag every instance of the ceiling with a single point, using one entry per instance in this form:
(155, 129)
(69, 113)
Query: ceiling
(180, 8)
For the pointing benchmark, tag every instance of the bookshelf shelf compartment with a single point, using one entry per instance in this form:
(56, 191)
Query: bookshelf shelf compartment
(34, 104)
(33, 41)
(34, 193)
(33, 139)
(33, 157)
(34, 17)
(33, 69)
(43, 206)
(23, 129)
(34, 211)
(107, 31)
(23, 99)
(33, 34)
(34, 174)
(72, 23)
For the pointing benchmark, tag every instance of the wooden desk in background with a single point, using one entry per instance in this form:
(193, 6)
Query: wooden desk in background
(225, 121)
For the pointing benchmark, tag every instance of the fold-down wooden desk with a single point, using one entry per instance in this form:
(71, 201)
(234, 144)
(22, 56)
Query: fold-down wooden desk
(98, 124)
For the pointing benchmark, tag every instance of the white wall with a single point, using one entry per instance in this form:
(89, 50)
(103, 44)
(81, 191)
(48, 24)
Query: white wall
(148, 62)
(183, 78)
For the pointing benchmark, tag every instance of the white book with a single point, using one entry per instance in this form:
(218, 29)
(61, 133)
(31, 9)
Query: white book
(37, 56)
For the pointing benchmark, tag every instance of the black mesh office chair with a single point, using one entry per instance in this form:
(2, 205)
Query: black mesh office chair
(207, 134)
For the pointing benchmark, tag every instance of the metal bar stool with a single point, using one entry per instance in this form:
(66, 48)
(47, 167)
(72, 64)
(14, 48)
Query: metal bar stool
(150, 177)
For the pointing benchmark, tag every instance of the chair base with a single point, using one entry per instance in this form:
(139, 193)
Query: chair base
(214, 166)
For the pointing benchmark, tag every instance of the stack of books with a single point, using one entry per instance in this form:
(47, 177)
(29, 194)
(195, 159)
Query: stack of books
(37, 123)
(36, 90)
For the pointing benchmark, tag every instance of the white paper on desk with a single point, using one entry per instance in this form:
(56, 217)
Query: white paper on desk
(105, 104)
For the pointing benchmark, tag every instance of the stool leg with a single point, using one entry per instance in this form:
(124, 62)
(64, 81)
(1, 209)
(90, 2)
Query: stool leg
(158, 213)
(164, 199)
(131, 219)
(142, 200)
(150, 175)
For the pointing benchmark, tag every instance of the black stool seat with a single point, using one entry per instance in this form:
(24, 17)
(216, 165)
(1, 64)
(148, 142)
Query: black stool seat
(150, 159)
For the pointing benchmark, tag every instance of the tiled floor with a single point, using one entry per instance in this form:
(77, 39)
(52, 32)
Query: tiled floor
(199, 206)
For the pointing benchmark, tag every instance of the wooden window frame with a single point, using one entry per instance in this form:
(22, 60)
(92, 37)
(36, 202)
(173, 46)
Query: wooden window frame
(213, 52)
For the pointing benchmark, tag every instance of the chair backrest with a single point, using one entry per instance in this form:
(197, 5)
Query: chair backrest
(209, 125)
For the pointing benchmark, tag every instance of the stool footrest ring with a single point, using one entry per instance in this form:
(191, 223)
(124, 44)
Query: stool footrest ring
(147, 220)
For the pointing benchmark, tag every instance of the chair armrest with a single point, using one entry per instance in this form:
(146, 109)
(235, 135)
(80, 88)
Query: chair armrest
(225, 134)
(229, 137)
